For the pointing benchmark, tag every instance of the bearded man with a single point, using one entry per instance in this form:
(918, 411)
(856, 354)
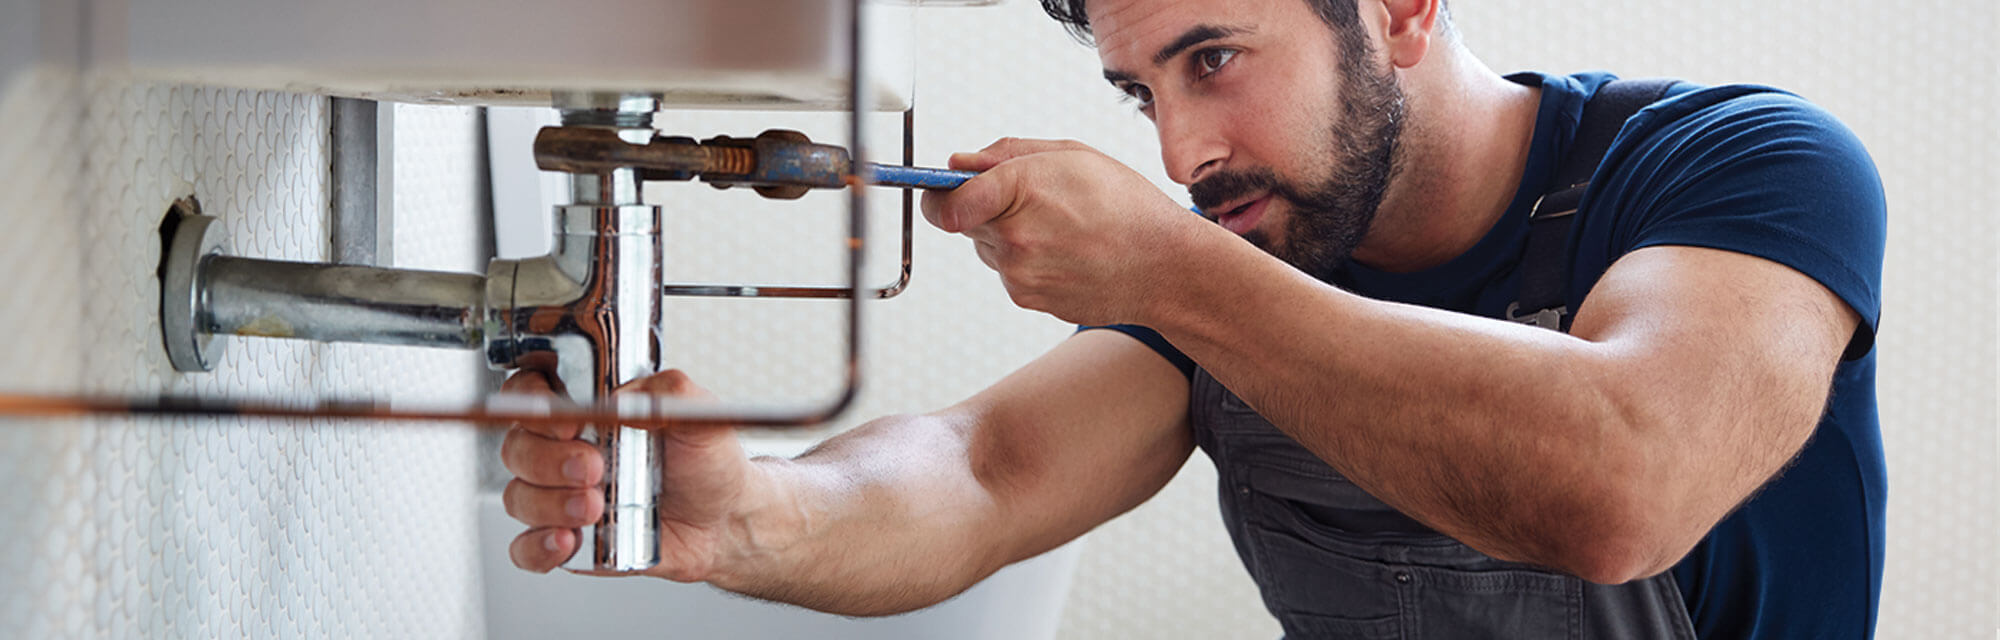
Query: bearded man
(1475, 355)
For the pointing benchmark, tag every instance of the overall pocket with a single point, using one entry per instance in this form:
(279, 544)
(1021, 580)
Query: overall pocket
(1334, 582)
(1493, 603)
(1315, 594)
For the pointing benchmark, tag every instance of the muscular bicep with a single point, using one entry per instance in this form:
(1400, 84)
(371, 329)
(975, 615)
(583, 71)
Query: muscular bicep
(1084, 433)
(1724, 359)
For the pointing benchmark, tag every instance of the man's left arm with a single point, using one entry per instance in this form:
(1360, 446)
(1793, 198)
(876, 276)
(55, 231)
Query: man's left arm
(1692, 376)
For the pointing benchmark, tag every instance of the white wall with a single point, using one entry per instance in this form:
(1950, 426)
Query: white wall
(206, 527)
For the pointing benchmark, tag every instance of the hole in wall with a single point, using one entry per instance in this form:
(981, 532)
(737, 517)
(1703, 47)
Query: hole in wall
(177, 212)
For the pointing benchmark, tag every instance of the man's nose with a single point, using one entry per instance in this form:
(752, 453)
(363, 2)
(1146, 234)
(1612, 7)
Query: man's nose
(1191, 146)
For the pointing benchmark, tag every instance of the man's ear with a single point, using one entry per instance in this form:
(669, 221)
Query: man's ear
(1411, 30)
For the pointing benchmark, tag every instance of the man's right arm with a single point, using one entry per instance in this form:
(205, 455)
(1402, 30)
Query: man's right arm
(906, 511)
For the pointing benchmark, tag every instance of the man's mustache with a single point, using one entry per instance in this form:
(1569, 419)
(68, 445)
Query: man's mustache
(1222, 187)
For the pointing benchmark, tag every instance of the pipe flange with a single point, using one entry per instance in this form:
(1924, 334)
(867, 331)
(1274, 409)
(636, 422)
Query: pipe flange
(195, 238)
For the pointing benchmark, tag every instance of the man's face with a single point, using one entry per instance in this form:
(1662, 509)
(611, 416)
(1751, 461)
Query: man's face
(1278, 124)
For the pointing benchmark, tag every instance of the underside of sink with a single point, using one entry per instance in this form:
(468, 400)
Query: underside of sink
(763, 54)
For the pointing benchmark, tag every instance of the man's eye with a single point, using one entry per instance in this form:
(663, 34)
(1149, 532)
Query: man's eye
(1139, 93)
(1211, 60)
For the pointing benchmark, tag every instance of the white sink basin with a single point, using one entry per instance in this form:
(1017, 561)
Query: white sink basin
(701, 53)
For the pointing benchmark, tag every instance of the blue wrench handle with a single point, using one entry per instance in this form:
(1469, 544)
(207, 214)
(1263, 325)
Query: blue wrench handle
(916, 177)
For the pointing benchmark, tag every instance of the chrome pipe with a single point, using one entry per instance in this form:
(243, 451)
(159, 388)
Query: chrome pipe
(617, 240)
(588, 316)
(340, 303)
(361, 184)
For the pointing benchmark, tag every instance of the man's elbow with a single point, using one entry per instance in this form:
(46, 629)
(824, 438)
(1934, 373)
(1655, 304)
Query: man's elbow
(1619, 519)
(1620, 544)
(1611, 563)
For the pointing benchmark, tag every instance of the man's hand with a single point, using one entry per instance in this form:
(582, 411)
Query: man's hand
(1071, 231)
(899, 513)
(555, 490)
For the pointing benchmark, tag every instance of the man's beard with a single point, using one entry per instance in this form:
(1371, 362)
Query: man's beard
(1331, 216)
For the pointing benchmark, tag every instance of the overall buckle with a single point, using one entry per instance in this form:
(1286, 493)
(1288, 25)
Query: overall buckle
(1550, 318)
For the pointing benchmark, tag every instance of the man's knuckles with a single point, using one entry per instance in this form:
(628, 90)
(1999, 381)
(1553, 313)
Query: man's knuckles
(551, 463)
(968, 206)
(672, 382)
(529, 382)
(1006, 150)
(546, 507)
(932, 205)
(1024, 146)
(1009, 148)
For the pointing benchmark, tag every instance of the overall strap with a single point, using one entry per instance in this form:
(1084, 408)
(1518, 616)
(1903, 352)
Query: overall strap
(1544, 267)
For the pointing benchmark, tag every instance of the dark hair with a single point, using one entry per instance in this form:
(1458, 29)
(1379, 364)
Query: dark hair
(1339, 14)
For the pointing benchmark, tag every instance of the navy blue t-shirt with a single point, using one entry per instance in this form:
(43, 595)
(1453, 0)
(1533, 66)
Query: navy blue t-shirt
(1746, 169)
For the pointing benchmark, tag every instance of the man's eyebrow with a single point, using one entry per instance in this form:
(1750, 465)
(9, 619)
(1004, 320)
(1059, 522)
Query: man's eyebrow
(1195, 35)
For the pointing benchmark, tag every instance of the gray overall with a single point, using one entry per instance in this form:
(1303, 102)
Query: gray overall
(1334, 562)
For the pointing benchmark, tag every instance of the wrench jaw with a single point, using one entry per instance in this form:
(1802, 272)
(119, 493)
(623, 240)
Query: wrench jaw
(671, 175)
(788, 164)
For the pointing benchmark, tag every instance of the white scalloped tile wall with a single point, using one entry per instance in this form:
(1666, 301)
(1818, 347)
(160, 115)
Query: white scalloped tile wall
(38, 459)
(206, 527)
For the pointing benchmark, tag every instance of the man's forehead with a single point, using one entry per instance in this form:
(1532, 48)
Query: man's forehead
(1129, 32)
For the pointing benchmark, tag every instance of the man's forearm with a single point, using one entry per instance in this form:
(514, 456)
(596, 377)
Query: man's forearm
(1485, 431)
(884, 519)
(906, 511)
(1693, 376)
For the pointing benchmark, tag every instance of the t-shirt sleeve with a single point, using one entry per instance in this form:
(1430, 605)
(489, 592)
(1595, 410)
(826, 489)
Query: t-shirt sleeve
(1762, 173)
(1154, 340)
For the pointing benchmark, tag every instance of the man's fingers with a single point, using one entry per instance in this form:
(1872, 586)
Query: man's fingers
(540, 550)
(675, 383)
(1006, 149)
(545, 507)
(672, 382)
(932, 204)
(530, 383)
(553, 430)
(550, 462)
(980, 200)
